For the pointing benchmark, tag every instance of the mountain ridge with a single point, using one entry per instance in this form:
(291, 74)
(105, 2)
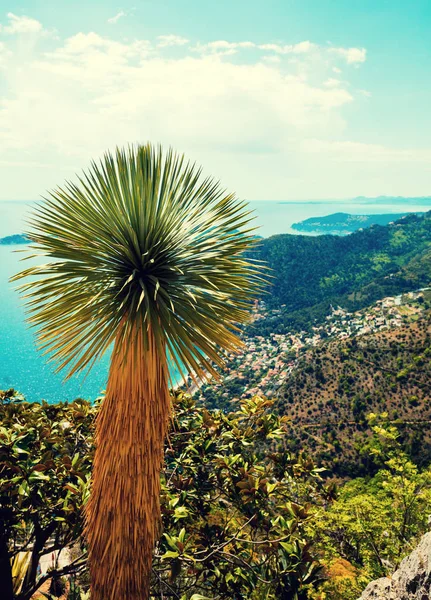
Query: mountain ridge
(353, 271)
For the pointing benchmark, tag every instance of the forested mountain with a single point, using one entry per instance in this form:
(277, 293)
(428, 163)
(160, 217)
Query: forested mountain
(326, 385)
(311, 273)
(335, 385)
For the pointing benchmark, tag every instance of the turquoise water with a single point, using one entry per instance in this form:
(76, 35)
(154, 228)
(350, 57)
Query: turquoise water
(271, 217)
(21, 365)
(25, 369)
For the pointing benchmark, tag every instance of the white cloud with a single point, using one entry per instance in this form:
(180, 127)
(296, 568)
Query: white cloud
(98, 54)
(21, 25)
(300, 48)
(25, 164)
(91, 92)
(108, 92)
(332, 83)
(226, 48)
(264, 124)
(165, 41)
(272, 58)
(4, 52)
(222, 47)
(113, 20)
(349, 151)
(351, 55)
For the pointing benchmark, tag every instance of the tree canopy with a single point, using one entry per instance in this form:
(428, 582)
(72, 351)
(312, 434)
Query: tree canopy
(234, 503)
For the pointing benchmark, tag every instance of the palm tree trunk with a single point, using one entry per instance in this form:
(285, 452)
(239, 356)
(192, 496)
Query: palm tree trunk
(123, 513)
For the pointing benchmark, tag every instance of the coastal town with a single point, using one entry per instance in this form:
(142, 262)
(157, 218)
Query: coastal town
(265, 362)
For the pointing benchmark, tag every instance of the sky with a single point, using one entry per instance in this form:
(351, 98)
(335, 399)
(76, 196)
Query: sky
(280, 100)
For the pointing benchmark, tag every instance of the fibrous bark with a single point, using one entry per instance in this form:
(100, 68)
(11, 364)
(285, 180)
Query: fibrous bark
(123, 513)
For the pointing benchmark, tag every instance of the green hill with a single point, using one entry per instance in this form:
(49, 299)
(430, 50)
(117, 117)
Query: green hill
(311, 273)
(335, 386)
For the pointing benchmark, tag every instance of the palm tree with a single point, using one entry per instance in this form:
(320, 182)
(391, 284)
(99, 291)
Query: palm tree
(145, 255)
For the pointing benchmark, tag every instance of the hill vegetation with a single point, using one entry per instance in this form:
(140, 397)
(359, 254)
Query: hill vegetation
(326, 387)
(335, 385)
(311, 273)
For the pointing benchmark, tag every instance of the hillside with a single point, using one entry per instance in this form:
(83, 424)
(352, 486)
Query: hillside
(344, 223)
(335, 385)
(311, 273)
(326, 383)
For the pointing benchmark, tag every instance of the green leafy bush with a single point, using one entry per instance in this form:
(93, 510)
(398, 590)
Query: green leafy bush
(234, 503)
(375, 521)
(45, 459)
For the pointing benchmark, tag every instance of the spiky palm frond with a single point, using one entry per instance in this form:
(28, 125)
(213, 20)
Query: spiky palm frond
(142, 241)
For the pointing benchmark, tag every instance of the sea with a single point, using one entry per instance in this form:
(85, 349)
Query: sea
(25, 369)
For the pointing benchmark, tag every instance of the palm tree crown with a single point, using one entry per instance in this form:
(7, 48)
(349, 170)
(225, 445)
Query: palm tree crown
(142, 242)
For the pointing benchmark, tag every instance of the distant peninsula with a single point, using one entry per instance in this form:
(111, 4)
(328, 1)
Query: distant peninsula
(344, 223)
(17, 238)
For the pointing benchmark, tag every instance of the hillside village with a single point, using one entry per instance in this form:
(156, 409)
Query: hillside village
(266, 362)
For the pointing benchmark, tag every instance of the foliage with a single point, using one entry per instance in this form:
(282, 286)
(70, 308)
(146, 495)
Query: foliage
(374, 522)
(235, 504)
(242, 517)
(335, 384)
(45, 458)
(57, 586)
(353, 271)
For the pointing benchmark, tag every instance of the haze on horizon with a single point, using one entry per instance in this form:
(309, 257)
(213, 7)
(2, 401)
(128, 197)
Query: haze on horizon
(282, 101)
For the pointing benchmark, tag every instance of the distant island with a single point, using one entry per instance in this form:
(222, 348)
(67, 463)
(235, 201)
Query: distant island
(418, 200)
(390, 200)
(17, 238)
(344, 223)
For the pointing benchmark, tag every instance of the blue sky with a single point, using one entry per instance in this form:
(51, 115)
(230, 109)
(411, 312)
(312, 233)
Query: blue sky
(279, 99)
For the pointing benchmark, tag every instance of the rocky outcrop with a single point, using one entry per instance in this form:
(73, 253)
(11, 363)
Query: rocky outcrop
(412, 581)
